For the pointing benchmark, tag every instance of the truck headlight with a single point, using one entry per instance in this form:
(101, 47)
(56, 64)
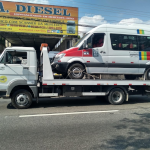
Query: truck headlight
(59, 56)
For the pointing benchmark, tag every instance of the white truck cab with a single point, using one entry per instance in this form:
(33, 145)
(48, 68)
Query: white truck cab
(107, 49)
(18, 67)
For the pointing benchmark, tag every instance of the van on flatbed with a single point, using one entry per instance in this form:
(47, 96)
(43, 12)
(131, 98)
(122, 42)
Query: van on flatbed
(20, 81)
(107, 49)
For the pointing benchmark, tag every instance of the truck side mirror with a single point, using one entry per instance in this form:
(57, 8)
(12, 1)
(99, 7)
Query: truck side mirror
(85, 46)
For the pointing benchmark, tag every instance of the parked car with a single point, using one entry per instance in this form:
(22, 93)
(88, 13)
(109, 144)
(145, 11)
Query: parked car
(108, 49)
(52, 54)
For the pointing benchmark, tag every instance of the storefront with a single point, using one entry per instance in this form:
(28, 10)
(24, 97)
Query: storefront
(24, 24)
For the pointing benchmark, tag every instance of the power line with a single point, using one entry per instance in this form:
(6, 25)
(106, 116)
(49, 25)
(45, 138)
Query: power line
(88, 17)
(100, 19)
(96, 8)
(107, 10)
(82, 25)
(106, 6)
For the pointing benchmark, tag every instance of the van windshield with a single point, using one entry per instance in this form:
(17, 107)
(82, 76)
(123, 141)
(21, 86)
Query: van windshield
(80, 40)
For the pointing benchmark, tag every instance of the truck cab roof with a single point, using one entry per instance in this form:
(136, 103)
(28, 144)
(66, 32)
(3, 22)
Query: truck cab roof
(21, 48)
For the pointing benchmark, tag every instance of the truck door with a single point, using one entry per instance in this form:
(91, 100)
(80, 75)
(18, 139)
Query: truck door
(16, 66)
(95, 57)
(123, 54)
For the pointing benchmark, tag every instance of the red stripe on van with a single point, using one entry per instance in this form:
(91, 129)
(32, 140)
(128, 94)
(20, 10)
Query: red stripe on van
(148, 57)
(148, 53)
(74, 52)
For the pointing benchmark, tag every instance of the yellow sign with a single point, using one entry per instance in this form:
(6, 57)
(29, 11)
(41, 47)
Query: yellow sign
(3, 79)
(36, 18)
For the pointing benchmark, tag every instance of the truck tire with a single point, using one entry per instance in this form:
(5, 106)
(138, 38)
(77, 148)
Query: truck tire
(21, 99)
(116, 96)
(147, 74)
(75, 71)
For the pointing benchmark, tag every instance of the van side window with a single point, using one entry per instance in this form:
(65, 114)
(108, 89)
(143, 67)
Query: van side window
(124, 42)
(129, 42)
(116, 41)
(144, 43)
(98, 40)
(13, 57)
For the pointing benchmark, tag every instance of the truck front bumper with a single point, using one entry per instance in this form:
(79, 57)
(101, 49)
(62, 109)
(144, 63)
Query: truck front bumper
(60, 68)
(3, 94)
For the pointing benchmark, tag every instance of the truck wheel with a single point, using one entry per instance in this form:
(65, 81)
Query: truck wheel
(130, 77)
(116, 96)
(147, 74)
(75, 71)
(21, 99)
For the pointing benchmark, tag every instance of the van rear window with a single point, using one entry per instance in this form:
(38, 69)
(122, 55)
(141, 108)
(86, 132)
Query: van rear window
(144, 43)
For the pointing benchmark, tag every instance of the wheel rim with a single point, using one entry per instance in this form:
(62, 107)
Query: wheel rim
(116, 96)
(22, 99)
(76, 72)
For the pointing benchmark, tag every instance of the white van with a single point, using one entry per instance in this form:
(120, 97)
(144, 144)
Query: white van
(108, 49)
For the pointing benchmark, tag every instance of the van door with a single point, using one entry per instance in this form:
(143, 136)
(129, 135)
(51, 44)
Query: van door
(95, 57)
(16, 67)
(123, 54)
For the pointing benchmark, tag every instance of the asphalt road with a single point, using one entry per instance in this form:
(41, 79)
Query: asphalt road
(76, 124)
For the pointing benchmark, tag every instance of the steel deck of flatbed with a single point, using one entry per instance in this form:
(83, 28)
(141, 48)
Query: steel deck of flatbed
(94, 82)
(48, 78)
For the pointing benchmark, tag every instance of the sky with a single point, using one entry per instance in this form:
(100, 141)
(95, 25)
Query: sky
(96, 12)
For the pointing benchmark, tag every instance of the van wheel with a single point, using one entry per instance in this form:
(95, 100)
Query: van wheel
(75, 71)
(21, 99)
(130, 77)
(116, 96)
(147, 74)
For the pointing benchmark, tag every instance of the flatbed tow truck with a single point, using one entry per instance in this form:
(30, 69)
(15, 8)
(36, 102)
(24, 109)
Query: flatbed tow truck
(20, 81)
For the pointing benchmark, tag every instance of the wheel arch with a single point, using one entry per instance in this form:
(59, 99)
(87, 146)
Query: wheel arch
(145, 71)
(120, 87)
(23, 87)
(21, 84)
(74, 62)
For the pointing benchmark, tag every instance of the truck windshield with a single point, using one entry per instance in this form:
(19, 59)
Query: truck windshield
(80, 40)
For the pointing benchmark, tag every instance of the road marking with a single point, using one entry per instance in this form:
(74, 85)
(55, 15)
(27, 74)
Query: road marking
(71, 113)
